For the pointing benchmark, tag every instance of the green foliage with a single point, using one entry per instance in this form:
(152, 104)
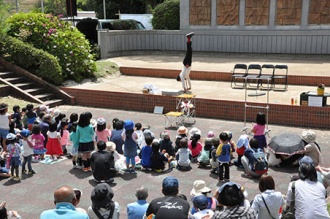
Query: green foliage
(166, 16)
(39, 62)
(3, 16)
(128, 24)
(48, 33)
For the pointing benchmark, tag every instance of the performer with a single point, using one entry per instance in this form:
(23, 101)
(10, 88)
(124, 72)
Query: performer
(184, 74)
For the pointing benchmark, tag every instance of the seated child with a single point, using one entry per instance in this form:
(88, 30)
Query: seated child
(204, 158)
(213, 156)
(158, 159)
(166, 144)
(145, 153)
(183, 156)
(241, 146)
(200, 203)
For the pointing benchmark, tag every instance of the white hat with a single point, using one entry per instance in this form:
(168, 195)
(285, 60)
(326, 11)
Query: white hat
(101, 121)
(194, 131)
(111, 146)
(56, 112)
(308, 136)
(199, 188)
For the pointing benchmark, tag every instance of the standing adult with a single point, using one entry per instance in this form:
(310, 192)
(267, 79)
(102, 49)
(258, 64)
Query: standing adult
(44, 126)
(268, 203)
(65, 201)
(103, 164)
(5, 120)
(184, 74)
(310, 195)
(137, 209)
(169, 206)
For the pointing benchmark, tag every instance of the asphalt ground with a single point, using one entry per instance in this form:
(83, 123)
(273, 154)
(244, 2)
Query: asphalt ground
(35, 192)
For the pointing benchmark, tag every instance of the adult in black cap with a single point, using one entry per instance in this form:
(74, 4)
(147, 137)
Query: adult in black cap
(169, 206)
(102, 204)
(231, 196)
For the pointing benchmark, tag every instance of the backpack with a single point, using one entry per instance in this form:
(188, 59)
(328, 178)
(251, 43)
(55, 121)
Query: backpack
(260, 163)
(107, 215)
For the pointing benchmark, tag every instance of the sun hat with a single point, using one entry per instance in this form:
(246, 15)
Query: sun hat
(200, 202)
(128, 124)
(56, 112)
(111, 146)
(182, 130)
(210, 134)
(308, 136)
(230, 194)
(100, 121)
(11, 136)
(43, 108)
(102, 195)
(170, 184)
(194, 131)
(25, 133)
(243, 141)
(199, 188)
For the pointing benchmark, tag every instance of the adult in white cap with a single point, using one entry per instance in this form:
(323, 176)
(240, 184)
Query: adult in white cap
(312, 149)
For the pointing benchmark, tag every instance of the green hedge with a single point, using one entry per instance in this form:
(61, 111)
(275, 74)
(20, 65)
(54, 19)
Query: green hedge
(128, 24)
(166, 16)
(36, 61)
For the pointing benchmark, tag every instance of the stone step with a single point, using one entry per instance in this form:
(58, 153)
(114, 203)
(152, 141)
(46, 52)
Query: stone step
(15, 80)
(6, 74)
(24, 85)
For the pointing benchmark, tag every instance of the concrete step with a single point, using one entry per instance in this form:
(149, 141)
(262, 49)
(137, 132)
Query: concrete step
(44, 96)
(15, 80)
(6, 74)
(54, 102)
(35, 91)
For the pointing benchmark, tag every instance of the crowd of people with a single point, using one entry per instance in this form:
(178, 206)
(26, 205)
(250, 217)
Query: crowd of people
(123, 147)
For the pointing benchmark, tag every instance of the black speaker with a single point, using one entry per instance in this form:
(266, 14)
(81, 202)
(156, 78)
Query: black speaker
(71, 8)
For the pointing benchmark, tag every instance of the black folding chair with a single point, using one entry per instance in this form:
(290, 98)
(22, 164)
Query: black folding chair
(266, 77)
(239, 73)
(253, 74)
(281, 74)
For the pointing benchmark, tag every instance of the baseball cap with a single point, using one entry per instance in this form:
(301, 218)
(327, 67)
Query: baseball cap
(25, 133)
(200, 202)
(170, 184)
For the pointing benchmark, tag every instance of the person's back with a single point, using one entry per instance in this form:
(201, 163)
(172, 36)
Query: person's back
(64, 199)
(145, 153)
(102, 162)
(136, 210)
(116, 136)
(310, 202)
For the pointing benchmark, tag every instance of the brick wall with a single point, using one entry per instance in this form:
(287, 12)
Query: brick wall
(219, 76)
(313, 117)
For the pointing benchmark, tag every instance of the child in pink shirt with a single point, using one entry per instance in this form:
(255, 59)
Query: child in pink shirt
(259, 130)
(38, 139)
(65, 135)
(102, 132)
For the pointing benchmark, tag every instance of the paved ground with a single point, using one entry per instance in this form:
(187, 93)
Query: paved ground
(35, 193)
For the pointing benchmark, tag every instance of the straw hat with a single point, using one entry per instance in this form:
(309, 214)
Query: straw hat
(111, 146)
(182, 130)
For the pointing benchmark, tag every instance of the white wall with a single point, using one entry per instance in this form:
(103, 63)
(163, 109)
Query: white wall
(145, 19)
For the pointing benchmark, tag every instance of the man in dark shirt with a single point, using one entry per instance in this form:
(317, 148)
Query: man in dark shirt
(169, 206)
(102, 163)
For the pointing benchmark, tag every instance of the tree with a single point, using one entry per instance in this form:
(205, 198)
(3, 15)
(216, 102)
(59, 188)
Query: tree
(3, 16)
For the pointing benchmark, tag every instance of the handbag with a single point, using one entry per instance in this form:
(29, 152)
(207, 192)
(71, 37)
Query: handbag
(289, 212)
(267, 208)
(9, 158)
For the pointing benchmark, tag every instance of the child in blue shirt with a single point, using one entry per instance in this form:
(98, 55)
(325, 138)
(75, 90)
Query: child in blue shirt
(223, 153)
(145, 154)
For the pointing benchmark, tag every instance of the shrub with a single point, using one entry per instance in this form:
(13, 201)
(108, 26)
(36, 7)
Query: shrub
(36, 61)
(128, 24)
(49, 33)
(166, 16)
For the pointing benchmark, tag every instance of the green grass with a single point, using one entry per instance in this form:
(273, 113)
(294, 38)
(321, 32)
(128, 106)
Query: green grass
(105, 68)
(12, 101)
